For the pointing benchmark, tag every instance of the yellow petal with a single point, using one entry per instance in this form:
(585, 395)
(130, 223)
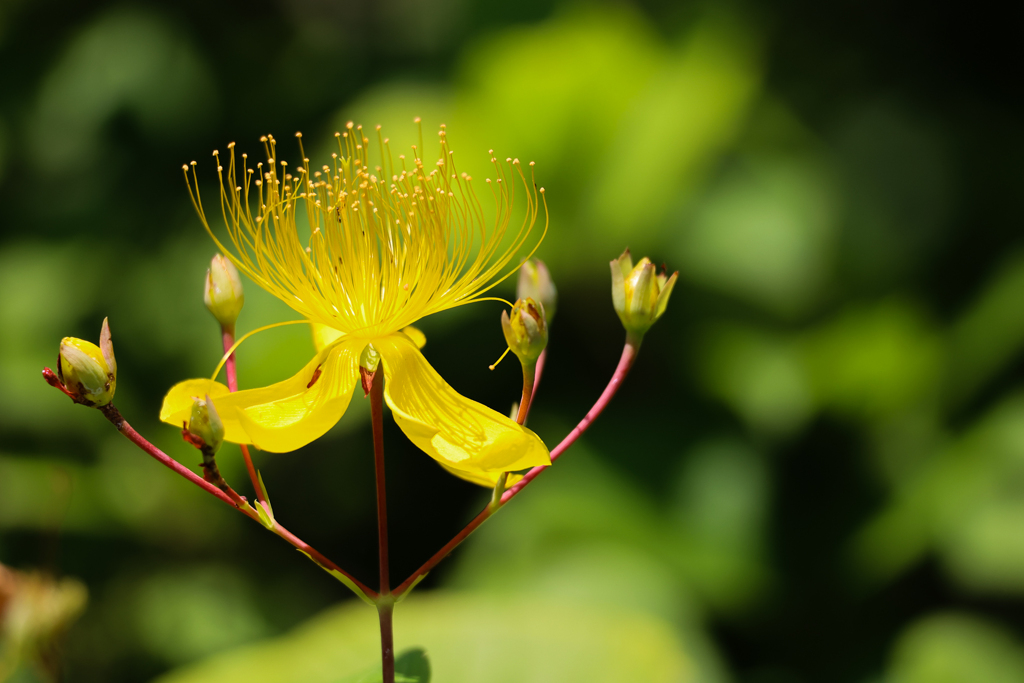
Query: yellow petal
(415, 335)
(324, 335)
(452, 429)
(284, 416)
(488, 479)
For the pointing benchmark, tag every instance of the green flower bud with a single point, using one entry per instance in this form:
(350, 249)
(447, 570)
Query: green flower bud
(638, 293)
(205, 424)
(223, 293)
(526, 330)
(535, 283)
(87, 371)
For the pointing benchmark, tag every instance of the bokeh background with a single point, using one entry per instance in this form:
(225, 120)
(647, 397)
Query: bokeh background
(814, 473)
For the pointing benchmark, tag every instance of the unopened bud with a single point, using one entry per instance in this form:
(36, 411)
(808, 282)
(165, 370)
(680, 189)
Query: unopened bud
(205, 425)
(223, 292)
(87, 371)
(526, 331)
(535, 283)
(639, 294)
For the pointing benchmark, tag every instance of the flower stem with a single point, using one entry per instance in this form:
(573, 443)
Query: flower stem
(230, 497)
(385, 611)
(228, 338)
(629, 353)
(385, 605)
(537, 374)
(529, 382)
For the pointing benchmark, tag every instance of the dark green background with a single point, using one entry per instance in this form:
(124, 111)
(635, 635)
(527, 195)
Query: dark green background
(816, 470)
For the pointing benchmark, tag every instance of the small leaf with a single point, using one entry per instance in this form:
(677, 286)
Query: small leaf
(266, 496)
(413, 666)
(266, 516)
(408, 590)
(341, 577)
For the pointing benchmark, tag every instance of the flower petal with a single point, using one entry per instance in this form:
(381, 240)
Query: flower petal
(415, 335)
(457, 432)
(324, 335)
(284, 416)
(488, 479)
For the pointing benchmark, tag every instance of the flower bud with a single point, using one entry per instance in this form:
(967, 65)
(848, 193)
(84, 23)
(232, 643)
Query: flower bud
(526, 331)
(87, 371)
(223, 293)
(205, 424)
(638, 293)
(535, 283)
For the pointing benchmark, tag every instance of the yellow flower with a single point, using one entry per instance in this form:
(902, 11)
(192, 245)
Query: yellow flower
(362, 253)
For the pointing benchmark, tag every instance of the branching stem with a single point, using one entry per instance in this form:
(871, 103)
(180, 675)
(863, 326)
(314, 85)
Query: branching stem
(230, 497)
(629, 353)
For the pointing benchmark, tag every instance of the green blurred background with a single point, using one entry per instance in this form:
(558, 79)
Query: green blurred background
(814, 473)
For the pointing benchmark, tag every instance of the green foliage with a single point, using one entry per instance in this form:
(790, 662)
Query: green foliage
(470, 638)
(956, 648)
(411, 666)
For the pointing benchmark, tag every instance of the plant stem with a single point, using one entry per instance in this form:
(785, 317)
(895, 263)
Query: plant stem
(228, 338)
(385, 605)
(385, 611)
(629, 353)
(115, 417)
(529, 383)
(537, 374)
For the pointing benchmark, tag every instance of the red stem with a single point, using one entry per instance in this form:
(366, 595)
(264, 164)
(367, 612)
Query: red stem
(377, 413)
(228, 338)
(384, 607)
(629, 352)
(115, 417)
(529, 387)
(625, 363)
(537, 373)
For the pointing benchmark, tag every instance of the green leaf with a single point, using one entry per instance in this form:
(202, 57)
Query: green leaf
(413, 666)
(266, 518)
(341, 577)
(471, 637)
(266, 496)
(408, 590)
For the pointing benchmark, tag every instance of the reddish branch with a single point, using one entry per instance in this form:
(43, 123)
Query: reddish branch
(625, 363)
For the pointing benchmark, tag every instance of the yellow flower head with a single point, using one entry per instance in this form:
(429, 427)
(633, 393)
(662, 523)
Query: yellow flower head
(363, 252)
